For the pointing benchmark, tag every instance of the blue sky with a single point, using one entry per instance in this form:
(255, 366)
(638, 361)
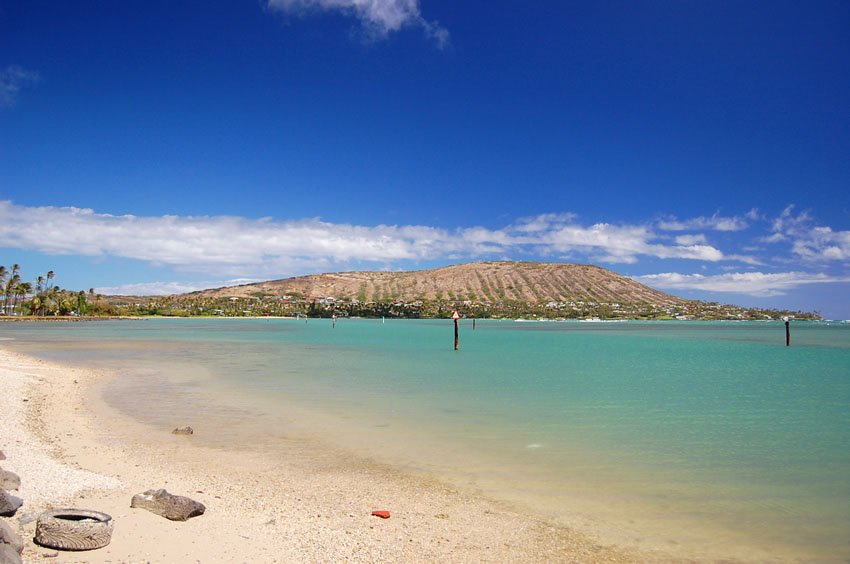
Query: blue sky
(702, 148)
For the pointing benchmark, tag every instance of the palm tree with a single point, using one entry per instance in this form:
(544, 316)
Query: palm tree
(39, 292)
(21, 291)
(3, 274)
(50, 276)
(11, 286)
(12, 289)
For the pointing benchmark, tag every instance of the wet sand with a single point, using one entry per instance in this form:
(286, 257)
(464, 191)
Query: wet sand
(311, 504)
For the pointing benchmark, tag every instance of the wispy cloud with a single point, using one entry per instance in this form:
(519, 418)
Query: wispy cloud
(255, 247)
(758, 284)
(809, 241)
(12, 79)
(715, 222)
(379, 17)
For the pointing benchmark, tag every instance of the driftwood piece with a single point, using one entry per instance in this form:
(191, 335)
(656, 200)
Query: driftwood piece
(187, 430)
(73, 529)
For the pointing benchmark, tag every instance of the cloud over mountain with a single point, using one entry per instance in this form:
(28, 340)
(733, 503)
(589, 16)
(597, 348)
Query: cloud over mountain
(757, 284)
(245, 246)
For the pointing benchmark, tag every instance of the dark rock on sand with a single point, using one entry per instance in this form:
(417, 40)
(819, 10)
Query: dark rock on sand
(8, 555)
(9, 480)
(173, 507)
(9, 503)
(10, 538)
(2, 456)
(183, 431)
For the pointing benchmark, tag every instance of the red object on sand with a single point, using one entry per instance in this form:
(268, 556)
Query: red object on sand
(381, 514)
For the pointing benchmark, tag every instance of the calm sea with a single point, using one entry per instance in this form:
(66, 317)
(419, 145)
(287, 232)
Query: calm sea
(709, 438)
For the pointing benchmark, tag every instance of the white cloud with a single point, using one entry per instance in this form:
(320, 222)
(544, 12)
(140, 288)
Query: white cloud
(237, 246)
(775, 238)
(690, 239)
(810, 242)
(751, 283)
(379, 17)
(788, 223)
(560, 233)
(715, 222)
(12, 79)
(169, 288)
(822, 243)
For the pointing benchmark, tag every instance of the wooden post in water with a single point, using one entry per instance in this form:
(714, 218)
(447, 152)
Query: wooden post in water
(455, 317)
(787, 332)
(334, 321)
(473, 324)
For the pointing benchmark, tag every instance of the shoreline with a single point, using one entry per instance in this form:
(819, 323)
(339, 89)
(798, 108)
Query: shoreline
(313, 505)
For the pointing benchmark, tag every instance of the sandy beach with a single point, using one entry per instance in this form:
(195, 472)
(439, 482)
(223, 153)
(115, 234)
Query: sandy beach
(72, 450)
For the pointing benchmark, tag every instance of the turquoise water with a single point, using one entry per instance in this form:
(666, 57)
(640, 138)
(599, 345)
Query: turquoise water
(713, 439)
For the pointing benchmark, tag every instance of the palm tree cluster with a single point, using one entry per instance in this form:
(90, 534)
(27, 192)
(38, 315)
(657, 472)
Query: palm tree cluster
(44, 297)
(14, 289)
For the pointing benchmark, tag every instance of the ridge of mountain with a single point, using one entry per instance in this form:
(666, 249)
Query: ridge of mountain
(483, 282)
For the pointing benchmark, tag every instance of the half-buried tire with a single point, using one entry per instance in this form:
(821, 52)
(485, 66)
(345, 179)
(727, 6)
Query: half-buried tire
(73, 529)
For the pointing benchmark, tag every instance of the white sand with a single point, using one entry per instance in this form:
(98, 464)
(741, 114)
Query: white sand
(47, 478)
(72, 450)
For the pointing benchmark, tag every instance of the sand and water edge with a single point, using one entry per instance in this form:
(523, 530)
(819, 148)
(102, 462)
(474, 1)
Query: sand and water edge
(72, 449)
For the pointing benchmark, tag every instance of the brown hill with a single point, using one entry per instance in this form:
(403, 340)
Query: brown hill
(481, 282)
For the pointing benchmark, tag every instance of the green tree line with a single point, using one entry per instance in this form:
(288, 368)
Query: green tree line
(43, 298)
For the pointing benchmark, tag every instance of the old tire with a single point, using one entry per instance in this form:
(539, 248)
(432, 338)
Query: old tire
(73, 529)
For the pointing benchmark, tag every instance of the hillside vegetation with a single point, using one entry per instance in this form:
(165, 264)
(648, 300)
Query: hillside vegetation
(483, 282)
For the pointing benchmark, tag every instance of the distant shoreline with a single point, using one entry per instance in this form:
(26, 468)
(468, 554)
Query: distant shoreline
(53, 318)
(84, 318)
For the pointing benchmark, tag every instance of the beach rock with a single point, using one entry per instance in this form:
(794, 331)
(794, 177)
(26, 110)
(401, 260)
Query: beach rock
(9, 480)
(173, 507)
(9, 537)
(183, 431)
(9, 503)
(8, 555)
(2, 456)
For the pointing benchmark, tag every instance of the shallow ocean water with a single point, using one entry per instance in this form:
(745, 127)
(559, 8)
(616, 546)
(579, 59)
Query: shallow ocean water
(712, 436)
